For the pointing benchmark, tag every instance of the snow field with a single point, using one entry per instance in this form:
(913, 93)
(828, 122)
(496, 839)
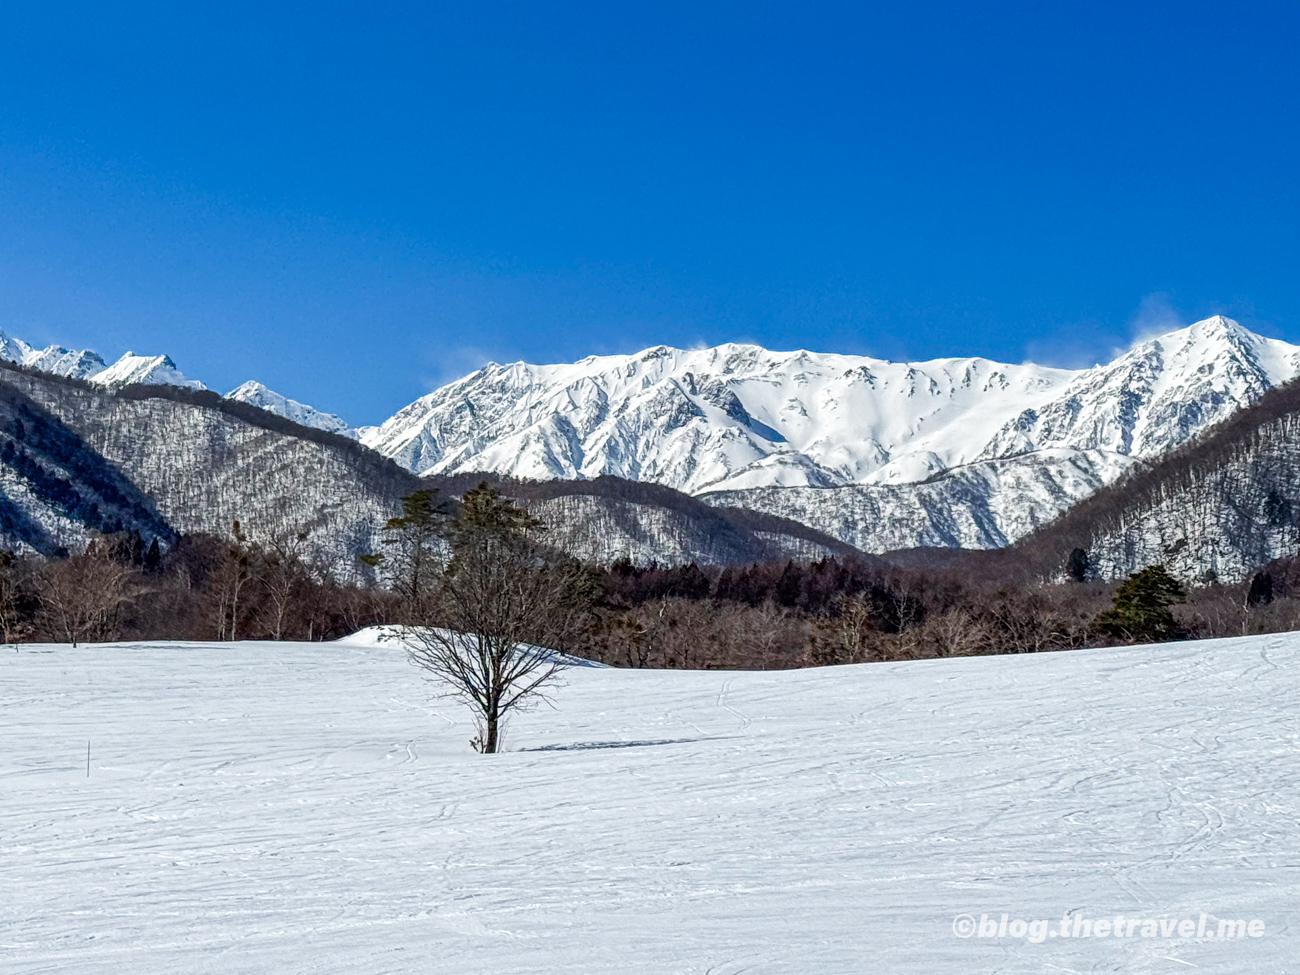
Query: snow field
(286, 808)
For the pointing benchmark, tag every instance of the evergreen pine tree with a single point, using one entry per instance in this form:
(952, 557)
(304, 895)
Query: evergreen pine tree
(484, 509)
(1078, 565)
(412, 540)
(1140, 608)
(152, 558)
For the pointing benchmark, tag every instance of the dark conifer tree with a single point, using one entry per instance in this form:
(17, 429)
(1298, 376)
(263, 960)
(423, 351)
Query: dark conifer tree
(1140, 610)
(152, 560)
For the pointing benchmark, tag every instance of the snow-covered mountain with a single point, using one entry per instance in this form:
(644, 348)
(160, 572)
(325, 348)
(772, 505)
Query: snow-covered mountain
(85, 364)
(1221, 508)
(739, 416)
(878, 454)
(80, 458)
(81, 364)
(917, 453)
(132, 369)
(258, 395)
(156, 370)
(1156, 395)
(733, 416)
(986, 504)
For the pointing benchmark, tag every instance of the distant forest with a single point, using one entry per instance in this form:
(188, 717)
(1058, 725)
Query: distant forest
(764, 615)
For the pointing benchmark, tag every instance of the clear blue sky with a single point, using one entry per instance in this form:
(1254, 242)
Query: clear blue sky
(354, 202)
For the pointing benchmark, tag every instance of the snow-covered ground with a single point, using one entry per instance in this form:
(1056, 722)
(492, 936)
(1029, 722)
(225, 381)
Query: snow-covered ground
(292, 808)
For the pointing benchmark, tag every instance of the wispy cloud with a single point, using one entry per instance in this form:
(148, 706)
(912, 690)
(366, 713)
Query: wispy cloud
(1155, 315)
(448, 364)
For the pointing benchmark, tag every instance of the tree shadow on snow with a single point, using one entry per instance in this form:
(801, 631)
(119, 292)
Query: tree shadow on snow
(579, 746)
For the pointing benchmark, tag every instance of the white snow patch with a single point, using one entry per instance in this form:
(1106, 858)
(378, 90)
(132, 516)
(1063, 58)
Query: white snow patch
(259, 807)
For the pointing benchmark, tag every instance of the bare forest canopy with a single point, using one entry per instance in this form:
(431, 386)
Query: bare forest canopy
(763, 615)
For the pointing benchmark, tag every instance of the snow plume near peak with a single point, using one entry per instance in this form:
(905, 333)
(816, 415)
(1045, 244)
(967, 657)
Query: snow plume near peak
(1155, 316)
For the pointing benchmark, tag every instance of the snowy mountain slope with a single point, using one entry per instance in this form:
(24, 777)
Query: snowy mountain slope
(609, 519)
(203, 462)
(80, 364)
(1157, 395)
(876, 454)
(986, 504)
(156, 370)
(907, 445)
(268, 399)
(731, 416)
(1220, 507)
(293, 808)
(605, 530)
(738, 416)
(77, 458)
(55, 489)
(84, 364)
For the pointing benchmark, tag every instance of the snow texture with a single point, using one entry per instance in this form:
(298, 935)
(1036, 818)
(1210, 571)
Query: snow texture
(134, 369)
(987, 504)
(739, 416)
(294, 808)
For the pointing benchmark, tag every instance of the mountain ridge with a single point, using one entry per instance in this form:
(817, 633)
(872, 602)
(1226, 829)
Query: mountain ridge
(879, 455)
(736, 416)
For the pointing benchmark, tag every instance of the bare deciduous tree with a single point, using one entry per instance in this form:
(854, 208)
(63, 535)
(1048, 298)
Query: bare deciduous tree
(956, 633)
(14, 620)
(764, 632)
(502, 602)
(845, 637)
(284, 576)
(81, 595)
(229, 579)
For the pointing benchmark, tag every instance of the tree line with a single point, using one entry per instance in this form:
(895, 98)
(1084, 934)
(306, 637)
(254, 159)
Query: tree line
(267, 586)
(202, 587)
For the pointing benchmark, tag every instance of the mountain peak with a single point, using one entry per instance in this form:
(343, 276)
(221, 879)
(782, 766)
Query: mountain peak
(738, 415)
(259, 395)
(132, 369)
(1215, 330)
(1217, 326)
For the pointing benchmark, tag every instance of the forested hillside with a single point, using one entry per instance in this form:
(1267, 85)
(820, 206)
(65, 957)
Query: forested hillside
(1219, 508)
(164, 461)
(206, 462)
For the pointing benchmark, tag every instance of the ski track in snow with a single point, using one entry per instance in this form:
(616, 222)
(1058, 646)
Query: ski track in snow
(287, 808)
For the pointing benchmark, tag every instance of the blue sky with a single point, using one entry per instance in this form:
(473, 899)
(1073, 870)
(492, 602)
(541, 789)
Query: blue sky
(355, 202)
